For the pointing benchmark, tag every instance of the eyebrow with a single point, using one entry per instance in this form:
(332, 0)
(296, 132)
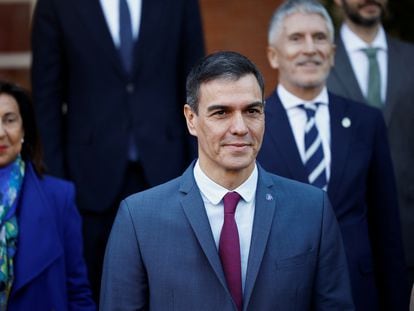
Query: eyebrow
(218, 107)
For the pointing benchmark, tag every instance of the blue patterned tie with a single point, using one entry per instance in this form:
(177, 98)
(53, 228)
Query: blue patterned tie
(314, 158)
(125, 35)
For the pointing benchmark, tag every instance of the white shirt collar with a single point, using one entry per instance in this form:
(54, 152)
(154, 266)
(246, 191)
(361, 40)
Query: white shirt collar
(215, 193)
(354, 43)
(291, 101)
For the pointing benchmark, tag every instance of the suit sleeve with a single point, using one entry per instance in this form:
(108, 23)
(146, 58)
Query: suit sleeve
(79, 293)
(48, 81)
(332, 283)
(384, 225)
(124, 283)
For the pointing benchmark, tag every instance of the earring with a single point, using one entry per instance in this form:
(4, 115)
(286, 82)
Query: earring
(22, 140)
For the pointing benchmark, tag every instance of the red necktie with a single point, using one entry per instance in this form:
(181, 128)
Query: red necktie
(229, 248)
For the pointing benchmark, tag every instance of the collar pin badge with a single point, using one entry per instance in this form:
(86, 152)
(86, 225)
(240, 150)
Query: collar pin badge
(269, 197)
(346, 122)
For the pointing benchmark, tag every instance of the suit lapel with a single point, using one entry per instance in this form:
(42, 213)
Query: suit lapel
(344, 73)
(282, 136)
(263, 219)
(195, 212)
(38, 244)
(340, 141)
(92, 16)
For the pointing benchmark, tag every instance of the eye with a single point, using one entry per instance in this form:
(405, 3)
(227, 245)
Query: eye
(320, 37)
(254, 111)
(295, 37)
(219, 113)
(10, 119)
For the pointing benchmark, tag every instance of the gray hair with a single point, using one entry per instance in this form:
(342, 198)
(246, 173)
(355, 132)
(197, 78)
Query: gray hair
(297, 6)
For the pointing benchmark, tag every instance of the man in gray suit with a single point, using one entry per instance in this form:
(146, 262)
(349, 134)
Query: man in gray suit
(226, 235)
(394, 64)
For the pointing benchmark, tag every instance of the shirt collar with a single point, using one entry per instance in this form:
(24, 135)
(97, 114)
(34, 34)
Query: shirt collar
(215, 193)
(290, 101)
(354, 43)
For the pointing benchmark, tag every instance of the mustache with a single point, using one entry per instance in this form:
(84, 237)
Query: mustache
(372, 2)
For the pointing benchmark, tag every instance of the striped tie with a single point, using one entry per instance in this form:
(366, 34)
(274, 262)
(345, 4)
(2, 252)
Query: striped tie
(314, 158)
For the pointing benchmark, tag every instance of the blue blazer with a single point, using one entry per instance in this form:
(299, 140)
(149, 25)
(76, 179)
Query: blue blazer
(50, 272)
(76, 62)
(161, 253)
(362, 192)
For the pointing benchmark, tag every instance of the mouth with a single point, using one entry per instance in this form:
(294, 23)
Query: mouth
(371, 3)
(237, 147)
(309, 63)
(3, 148)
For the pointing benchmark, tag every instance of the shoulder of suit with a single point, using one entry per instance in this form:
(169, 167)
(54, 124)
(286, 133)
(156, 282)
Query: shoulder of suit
(283, 183)
(157, 193)
(358, 107)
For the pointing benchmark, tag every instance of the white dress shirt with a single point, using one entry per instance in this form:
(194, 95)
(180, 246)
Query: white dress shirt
(359, 61)
(212, 194)
(110, 9)
(297, 119)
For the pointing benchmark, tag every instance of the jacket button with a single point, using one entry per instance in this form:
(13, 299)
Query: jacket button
(130, 88)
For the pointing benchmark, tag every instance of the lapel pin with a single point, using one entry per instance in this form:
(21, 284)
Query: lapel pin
(269, 197)
(346, 122)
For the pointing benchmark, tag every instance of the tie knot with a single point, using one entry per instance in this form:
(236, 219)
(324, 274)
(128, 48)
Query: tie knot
(310, 109)
(371, 52)
(230, 201)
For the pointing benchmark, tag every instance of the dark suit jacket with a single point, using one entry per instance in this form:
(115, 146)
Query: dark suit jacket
(362, 192)
(161, 254)
(50, 272)
(399, 116)
(76, 62)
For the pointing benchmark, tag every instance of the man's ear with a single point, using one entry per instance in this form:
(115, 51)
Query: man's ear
(191, 119)
(272, 57)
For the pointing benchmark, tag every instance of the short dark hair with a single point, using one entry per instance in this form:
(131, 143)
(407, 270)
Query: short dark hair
(32, 148)
(219, 65)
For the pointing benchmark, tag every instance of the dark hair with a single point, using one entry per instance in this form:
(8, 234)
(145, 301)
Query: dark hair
(32, 148)
(219, 65)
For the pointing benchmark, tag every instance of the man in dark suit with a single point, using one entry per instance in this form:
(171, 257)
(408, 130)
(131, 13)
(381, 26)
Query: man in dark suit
(226, 235)
(349, 77)
(336, 144)
(119, 75)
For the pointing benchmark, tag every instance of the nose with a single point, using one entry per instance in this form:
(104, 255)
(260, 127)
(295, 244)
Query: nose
(238, 125)
(2, 130)
(310, 47)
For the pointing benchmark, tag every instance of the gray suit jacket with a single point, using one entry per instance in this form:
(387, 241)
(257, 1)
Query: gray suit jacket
(399, 116)
(161, 253)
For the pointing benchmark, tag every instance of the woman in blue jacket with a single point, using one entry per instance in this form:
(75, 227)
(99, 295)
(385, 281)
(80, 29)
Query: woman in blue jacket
(41, 260)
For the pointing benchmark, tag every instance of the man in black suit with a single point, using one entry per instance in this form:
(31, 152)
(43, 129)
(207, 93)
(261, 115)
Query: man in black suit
(362, 29)
(336, 144)
(118, 74)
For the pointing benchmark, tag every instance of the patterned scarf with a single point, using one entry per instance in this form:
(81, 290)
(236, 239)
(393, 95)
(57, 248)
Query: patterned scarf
(11, 178)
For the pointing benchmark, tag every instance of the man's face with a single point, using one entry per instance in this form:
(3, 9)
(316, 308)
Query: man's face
(363, 12)
(303, 53)
(229, 125)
